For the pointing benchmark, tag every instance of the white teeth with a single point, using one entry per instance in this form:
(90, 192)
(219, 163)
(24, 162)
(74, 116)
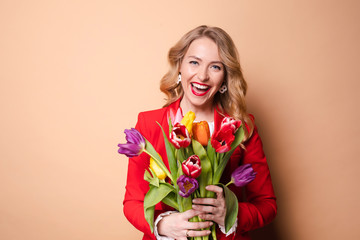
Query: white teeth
(199, 86)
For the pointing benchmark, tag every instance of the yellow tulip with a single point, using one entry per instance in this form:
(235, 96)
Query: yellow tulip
(188, 121)
(157, 170)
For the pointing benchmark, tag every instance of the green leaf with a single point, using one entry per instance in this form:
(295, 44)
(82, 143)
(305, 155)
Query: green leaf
(239, 136)
(180, 156)
(205, 177)
(171, 200)
(211, 154)
(187, 203)
(188, 151)
(147, 176)
(170, 126)
(180, 172)
(153, 197)
(232, 207)
(170, 154)
(155, 180)
(180, 200)
(149, 216)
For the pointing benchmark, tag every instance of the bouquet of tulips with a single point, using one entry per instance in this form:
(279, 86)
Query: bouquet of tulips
(195, 161)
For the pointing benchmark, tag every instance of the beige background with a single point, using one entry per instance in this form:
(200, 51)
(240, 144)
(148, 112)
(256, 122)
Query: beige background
(74, 75)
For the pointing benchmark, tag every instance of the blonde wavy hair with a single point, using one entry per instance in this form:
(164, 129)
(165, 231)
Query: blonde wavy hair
(232, 101)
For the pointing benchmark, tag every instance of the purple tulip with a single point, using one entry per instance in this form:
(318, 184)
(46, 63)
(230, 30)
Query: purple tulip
(135, 143)
(243, 175)
(187, 185)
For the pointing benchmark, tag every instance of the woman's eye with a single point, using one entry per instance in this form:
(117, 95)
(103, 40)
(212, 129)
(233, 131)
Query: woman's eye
(194, 62)
(216, 67)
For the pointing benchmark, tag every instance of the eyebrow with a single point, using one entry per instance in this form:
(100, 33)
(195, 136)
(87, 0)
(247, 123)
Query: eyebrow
(197, 58)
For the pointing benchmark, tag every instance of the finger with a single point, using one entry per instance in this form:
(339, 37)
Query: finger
(201, 233)
(216, 189)
(205, 208)
(199, 225)
(182, 238)
(208, 217)
(189, 214)
(208, 201)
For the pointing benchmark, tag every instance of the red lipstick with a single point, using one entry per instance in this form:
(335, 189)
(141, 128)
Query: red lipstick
(199, 92)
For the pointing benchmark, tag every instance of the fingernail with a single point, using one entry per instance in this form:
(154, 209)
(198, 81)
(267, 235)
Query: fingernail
(211, 223)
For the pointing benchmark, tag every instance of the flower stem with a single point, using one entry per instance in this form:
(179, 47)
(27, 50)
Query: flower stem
(213, 232)
(229, 183)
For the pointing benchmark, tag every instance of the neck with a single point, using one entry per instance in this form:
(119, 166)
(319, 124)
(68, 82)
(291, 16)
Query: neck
(203, 113)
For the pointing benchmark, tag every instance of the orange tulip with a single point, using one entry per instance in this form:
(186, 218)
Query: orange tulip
(201, 132)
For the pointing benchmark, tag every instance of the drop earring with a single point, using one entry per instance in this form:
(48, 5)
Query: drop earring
(179, 79)
(223, 89)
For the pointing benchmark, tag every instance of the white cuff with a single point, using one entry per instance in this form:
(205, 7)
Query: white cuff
(232, 229)
(156, 233)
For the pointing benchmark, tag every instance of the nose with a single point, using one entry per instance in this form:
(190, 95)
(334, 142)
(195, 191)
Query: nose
(203, 74)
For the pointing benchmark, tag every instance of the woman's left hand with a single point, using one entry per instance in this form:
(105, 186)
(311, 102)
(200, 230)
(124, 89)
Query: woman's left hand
(213, 209)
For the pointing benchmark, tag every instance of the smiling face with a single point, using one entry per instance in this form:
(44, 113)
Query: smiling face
(202, 74)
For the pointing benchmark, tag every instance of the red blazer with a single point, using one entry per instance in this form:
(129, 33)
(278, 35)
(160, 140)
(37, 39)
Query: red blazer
(256, 208)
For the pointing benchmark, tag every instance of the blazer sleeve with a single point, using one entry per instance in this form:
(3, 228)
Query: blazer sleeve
(260, 207)
(136, 186)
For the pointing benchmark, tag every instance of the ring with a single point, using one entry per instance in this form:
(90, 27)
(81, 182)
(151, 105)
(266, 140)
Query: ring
(187, 233)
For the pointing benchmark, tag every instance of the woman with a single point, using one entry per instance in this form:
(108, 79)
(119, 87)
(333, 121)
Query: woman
(204, 77)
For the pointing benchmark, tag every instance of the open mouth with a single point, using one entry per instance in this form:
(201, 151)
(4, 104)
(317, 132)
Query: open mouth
(199, 89)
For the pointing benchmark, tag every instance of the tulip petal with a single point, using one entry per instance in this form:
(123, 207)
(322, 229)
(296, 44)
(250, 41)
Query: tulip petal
(175, 117)
(179, 136)
(157, 170)
(134, 136)
(192, 166)
(243, 175)
(188, 120)
(201, 132)
(135, 143)
(222, 140)
(129, 149)
(187, 185)
(229, 122)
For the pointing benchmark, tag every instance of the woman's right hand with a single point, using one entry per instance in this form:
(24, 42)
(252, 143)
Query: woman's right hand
(177, 226)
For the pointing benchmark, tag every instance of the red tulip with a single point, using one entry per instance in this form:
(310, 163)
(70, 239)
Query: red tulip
(229, 122)
(180, 136)
(222, 139)
(192, 166)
